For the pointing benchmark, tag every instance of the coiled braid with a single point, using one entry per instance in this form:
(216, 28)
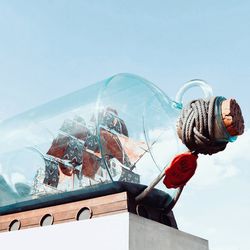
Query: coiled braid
(196, 127)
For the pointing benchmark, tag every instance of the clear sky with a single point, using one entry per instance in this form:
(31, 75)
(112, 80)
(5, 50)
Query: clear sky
(51, 48)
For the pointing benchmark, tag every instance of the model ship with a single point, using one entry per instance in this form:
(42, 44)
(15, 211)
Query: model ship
(75, 158)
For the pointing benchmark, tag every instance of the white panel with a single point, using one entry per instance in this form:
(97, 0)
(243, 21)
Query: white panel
(108, 232)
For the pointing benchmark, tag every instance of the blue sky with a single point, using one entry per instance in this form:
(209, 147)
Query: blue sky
(51, 48)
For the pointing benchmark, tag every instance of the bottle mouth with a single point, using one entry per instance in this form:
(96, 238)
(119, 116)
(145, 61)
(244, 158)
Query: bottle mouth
(222, 133)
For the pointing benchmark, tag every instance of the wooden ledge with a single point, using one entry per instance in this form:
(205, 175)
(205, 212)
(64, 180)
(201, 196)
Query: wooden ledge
(100, 206)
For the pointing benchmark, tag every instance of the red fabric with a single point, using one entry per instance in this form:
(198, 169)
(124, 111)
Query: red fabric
(181, 169)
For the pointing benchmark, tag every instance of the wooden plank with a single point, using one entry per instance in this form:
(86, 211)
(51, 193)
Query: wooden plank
(110, 207)
(66, 207)
(68, 212)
